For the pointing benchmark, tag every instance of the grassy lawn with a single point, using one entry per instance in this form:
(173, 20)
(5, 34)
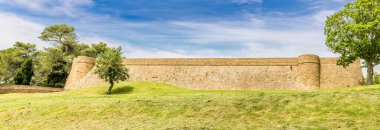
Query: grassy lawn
(144, 105)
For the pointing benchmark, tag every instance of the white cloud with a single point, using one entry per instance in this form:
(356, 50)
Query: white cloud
(256, 37)
(249, 39)
(130, 50)
(52, 7)
(15, 28)
(321, 16)
(259, 41)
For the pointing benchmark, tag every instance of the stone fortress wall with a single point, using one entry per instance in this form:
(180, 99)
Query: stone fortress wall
(302, 73)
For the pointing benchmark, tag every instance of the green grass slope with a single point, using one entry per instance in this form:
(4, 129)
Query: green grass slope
(144, 105)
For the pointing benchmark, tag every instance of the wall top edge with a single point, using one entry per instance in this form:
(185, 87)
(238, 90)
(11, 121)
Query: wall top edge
(211, 61)
(214, 61)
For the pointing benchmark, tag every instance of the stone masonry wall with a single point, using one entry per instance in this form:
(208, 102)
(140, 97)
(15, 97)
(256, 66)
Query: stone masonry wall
(304, 72)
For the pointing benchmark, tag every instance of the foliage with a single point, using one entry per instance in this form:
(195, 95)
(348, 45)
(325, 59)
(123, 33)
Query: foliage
(376, 79)
(57, 77)
(110, 68)
(28, 50)
(25, 73)
(12, 58)
(354, 32)
(52, 62)
(55, 62)
(62, 35)
(8, 65)
(50, 65)
(96, 49)
(79, 50)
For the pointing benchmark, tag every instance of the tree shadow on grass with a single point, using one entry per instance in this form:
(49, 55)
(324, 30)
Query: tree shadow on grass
(122, 90)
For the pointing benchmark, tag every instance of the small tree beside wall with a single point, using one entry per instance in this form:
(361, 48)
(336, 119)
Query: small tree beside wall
(110, 68)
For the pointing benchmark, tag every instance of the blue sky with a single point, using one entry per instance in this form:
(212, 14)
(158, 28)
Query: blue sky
(178, 28)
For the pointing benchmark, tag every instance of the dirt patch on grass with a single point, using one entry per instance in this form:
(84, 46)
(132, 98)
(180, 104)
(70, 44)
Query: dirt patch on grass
(28, 89)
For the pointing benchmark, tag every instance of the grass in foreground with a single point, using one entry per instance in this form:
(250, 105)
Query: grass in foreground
(144, 105)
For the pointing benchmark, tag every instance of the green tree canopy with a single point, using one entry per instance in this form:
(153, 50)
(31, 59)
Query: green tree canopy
(12, 58)
(79, 50)
(96, 49)
(52, 63)
(58, 75)
(110, 68)
(28, 50)
(354, 32)
(62, 35)
(56, 61)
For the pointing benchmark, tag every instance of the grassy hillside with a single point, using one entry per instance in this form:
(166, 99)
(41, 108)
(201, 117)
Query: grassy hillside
(143, 105)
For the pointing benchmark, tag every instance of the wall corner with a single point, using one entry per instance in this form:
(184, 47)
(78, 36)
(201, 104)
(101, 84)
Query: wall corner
(80, 67)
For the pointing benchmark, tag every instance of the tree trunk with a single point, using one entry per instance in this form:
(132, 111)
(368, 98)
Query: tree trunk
(110, 88)
(370, 72)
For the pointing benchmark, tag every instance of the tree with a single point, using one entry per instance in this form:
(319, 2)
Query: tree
(110, 68)
(52, 69)
(9, 63)
(25, 73)
(57, 61)
(12, 58)
(28, 50)
(96, 49)
(354, 32)
(79, 50)
(62, 34)
(57, 77)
